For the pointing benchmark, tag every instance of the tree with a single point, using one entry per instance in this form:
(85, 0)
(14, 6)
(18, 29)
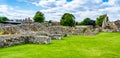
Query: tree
(100, 19)
(39, 17)
(3, 19)
(77, 23)
(85, 21)
(50, 21)
(67, 20)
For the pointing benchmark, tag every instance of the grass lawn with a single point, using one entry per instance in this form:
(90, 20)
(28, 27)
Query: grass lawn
(104, 45)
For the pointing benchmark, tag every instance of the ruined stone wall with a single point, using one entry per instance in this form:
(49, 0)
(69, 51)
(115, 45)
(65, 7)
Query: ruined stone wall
(11, 40)
(72, 30)
(38, 33)
(36, 27)
(18, 29)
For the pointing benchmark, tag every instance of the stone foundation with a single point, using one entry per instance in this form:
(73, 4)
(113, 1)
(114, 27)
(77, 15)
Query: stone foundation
(56, 36)
(11, 40)
(37, 33)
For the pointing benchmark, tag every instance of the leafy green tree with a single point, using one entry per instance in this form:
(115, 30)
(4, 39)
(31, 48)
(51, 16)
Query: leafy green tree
(77, 23)
(85, 21)
(67, 20)
(39, 17)
(3, 19)
(50, 21)
(100, 19)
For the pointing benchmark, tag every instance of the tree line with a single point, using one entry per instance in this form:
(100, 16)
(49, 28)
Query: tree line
(68, 19)
(3, 18)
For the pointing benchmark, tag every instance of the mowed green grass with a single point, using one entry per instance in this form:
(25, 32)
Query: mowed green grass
(103, 45)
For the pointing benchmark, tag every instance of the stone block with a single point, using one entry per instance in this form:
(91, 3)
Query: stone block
(40, 40)
(56, 36)
(9, 40)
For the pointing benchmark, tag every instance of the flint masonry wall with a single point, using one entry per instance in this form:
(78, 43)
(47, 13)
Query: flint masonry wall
(18, 29)
(38, 33)
(86, 30)
(11, 40)
(35, 27)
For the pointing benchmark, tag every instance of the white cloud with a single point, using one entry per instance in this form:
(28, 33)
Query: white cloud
(85, 8)
(3, 8)
(50, 3)
(54, 9)
(13, 13)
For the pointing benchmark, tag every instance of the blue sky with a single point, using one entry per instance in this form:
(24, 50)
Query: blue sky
(54, 9)
(105, 0)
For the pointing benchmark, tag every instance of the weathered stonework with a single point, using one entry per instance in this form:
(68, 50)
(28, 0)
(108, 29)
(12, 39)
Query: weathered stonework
(56, 36)
(36, 33)
(11, 40)
(108, 26)
(40, 40)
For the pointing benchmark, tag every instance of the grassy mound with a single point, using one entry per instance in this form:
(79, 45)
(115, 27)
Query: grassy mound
(104, 45)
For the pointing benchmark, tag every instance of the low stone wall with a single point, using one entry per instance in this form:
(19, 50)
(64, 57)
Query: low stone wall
(18, 29)
(6, 41)
(32, 27)
(35, 27)
(9, 30)
(40, 40)
(56, 36)
(37, 33)
(10, 40)
(72, 30)
(111, 30)
(52, 36)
